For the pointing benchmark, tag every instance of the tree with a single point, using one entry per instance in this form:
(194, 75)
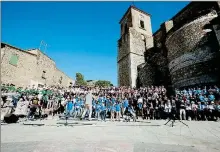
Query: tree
(103, 83)
(80, 79)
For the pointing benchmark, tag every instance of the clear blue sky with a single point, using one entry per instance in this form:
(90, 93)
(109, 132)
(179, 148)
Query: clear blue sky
(82, 35)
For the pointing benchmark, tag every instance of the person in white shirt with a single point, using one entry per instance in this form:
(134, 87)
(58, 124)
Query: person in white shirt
(167, 108)
(88, 106)
(211, 109)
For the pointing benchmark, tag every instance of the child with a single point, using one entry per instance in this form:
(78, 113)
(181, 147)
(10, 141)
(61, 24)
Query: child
(103, 112)
(97, 110)
(117, 109)
(112, 111)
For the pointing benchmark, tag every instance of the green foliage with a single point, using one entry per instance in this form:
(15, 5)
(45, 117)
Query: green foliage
(103, 83)
(80, 80)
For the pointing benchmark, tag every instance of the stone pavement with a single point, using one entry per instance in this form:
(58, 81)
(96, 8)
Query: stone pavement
(93, 136)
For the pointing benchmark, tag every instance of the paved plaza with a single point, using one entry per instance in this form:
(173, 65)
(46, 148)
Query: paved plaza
(93, 136)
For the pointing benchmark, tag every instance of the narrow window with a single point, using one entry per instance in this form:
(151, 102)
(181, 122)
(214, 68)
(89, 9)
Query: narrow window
(43, 75)
(126, 28)
(142, 24)
(61, 78)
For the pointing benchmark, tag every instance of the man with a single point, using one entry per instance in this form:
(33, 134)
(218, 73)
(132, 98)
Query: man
(33, 107)
(88, 106)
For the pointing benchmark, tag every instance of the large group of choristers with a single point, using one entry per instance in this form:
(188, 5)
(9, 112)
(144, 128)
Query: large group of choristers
(115, 103)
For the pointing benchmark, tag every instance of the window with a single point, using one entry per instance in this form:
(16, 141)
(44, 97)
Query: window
(43, 75)
(142, 24)
(14, 60)
(121, 28)
(126, 28)
(61, 78)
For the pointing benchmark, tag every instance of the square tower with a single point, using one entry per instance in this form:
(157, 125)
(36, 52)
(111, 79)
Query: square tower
(135, 39)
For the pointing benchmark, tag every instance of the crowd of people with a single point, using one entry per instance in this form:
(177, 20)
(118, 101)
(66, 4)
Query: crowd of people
(116, 103)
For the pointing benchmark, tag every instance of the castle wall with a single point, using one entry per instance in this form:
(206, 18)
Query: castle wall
(191, 50)
(146, 74)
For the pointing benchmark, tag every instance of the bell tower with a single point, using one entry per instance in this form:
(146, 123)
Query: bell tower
(135, 39)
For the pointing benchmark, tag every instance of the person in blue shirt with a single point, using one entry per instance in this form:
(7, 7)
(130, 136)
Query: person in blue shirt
(117, 109)
(199, 91)
(69, 108)
(113, 100)
(93, 107)
(77, 109)
(108, 104)
(100, 100)
(103, 112)
(81, 104)
(125, 105)
(201, 98)
(98, 109)
(211, 97)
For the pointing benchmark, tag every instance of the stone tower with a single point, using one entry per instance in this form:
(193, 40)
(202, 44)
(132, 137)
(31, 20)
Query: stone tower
(135, 39)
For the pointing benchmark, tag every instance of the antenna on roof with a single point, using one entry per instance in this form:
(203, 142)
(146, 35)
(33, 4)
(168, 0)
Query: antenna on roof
(132, 3)
(42, 43)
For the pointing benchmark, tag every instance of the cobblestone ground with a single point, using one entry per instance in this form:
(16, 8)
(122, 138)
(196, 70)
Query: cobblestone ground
(83, 136)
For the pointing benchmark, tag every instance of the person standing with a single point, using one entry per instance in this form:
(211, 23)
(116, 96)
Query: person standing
(103, 112)
(182, 110)
(112, 110)
(88, 106)
(117, 109)
(125, 106)
(69, 107)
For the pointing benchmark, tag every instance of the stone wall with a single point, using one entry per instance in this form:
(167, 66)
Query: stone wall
(137, 15)
(20, 74)
(123, 61)
(124, 72)
(137, 47)
(186, 49)
(192, 49)
(33, 68)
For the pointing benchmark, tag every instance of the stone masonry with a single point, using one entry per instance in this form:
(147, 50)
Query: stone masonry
(32, 68)
(183, 52)
(132, 44)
